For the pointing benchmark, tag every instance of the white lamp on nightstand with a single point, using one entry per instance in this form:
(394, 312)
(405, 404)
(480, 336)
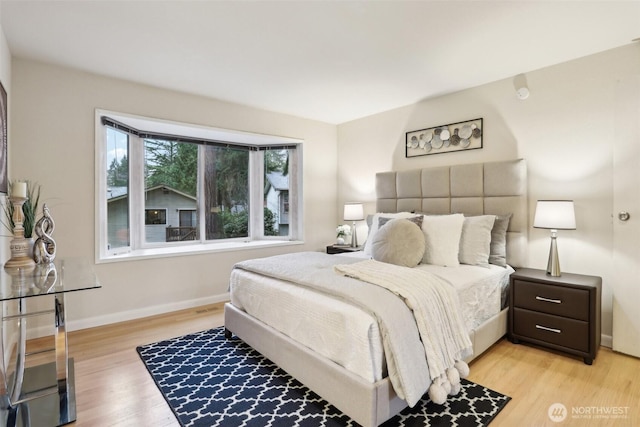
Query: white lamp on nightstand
(353, 212)
(554, 215)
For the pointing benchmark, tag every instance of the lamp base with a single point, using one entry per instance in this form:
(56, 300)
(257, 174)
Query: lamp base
(354, 236)
(553, 265)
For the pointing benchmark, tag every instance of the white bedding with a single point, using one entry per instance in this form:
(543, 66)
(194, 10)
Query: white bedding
(345, 334)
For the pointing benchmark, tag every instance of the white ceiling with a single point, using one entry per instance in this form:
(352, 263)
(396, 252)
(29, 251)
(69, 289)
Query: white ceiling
(332, 61)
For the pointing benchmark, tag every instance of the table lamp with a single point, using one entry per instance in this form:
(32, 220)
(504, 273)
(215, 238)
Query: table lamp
(554, 215)
(353, 212)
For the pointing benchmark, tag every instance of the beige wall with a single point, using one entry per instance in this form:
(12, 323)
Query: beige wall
(53, 143)
(564, 130)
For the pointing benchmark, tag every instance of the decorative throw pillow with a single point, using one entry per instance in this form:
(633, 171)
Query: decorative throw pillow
(442, 239)
(415, 219)
(373, 228)
(498, 248)
(475, 240)
(399, 242)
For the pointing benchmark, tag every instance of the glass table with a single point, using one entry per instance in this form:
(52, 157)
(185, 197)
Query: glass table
(40, 395)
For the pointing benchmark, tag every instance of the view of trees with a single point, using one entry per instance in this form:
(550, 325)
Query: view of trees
(174, 164)
(118, 173)
(236, 224)
(276, 161)
(226, 187)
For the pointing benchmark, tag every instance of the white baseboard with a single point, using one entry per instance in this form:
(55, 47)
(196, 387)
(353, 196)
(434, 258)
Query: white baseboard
(123, 316)
(606, 341)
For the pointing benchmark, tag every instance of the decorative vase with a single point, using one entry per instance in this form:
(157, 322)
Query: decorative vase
(340, 241)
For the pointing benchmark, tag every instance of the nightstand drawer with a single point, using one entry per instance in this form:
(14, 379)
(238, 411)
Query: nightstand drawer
(557, 330)
(552, 299)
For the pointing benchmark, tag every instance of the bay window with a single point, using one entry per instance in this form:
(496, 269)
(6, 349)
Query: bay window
(165, 188)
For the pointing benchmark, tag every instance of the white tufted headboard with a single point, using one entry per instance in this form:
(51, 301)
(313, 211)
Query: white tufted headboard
(495, 188)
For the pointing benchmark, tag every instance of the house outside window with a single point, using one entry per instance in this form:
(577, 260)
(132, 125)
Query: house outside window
(277, 200)
(161, 190)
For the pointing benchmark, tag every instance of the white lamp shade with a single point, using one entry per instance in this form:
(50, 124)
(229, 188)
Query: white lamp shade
(353, 212)
(555, 215)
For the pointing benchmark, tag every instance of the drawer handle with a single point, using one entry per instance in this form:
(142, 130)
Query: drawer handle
(555, 301)
(544, 328)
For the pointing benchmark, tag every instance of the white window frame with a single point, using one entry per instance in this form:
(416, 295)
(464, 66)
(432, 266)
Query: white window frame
(138, 248)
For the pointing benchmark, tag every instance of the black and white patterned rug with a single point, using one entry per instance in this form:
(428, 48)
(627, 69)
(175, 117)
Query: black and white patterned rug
(211, 381)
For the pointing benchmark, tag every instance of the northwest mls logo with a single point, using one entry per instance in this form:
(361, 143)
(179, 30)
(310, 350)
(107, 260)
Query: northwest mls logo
(557, 412)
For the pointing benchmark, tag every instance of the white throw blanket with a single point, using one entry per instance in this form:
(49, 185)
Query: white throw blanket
(436, 308)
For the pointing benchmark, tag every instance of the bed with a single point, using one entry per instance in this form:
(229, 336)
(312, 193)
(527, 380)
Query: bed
(273, 315)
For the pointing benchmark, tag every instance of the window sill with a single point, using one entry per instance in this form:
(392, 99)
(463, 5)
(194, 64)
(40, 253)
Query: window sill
(174, 251)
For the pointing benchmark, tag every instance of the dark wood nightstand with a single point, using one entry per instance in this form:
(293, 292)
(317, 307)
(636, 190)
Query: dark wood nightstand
(341, 249)
(562, 313)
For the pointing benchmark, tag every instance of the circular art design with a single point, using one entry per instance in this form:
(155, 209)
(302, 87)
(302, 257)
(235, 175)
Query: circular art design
(445, 138)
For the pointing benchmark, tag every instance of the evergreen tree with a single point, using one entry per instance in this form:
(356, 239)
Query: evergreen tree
(276, 161)
(170, 163)
(232, 171)
(118, 173)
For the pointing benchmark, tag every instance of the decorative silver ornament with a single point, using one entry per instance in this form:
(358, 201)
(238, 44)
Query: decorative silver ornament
(44, 250)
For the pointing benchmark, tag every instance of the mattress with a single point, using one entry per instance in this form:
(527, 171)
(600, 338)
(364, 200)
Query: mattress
(346, 334)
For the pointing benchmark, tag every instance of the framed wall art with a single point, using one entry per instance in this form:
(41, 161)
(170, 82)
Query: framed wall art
(3, 140)
(444, 138)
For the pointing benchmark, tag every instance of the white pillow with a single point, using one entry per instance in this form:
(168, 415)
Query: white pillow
(374, 227)
(400, 241)
(475, 240)
(442, 239)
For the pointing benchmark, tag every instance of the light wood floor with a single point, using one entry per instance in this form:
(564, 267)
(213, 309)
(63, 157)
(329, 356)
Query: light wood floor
(113, 388)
